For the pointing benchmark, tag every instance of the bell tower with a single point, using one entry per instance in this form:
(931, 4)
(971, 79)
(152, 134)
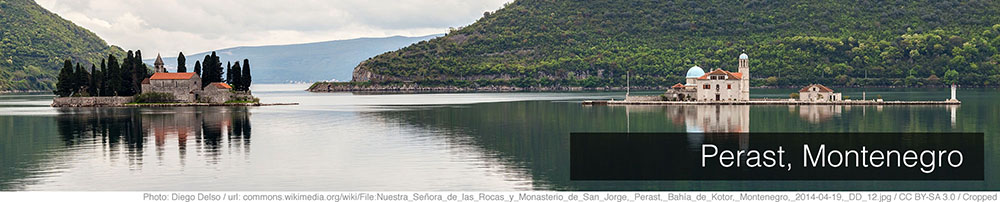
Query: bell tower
(744, 66)
(744, 69)
(158, 65)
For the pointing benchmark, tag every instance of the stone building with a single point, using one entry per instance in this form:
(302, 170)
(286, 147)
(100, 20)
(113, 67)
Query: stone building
(217, 92)
(184, 86)
(717, 85)
(818, 92)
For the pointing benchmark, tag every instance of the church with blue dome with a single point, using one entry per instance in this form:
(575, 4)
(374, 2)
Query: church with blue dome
(716, 85)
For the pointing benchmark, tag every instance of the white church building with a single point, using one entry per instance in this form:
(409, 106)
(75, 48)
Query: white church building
(716, 85)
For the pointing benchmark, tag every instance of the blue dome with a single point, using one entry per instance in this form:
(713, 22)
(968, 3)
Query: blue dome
(744, 56)
(695, 72)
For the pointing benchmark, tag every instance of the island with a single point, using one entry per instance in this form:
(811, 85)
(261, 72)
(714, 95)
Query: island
(133, 84)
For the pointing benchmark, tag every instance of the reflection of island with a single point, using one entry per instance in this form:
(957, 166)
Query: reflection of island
(127, 130)
(818, 113)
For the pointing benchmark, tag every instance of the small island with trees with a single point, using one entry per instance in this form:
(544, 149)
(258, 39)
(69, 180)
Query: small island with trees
(130, 82)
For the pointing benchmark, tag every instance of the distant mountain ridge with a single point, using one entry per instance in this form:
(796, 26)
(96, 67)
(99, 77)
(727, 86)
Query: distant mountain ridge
(34, 42)
(307, 62)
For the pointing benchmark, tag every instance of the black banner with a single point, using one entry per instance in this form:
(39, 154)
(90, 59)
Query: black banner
(776, 156)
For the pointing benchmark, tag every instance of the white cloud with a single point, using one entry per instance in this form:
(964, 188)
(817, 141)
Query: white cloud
(169, 26)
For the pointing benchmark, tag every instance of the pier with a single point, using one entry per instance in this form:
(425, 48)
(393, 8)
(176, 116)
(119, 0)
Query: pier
(769, 102)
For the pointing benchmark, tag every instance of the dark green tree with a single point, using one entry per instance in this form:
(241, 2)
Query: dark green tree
(64, 83)
(97, 76)
(211, 69)
(127, 75)
(245, 78)
(181, 63)
(140, 72)
(81, 80)
(237, 76)
(229, 73)
(197, 67)
(92, 86)
(114, 77)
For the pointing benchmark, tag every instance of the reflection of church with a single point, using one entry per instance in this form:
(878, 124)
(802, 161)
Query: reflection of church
(208, 130)
(712, 118)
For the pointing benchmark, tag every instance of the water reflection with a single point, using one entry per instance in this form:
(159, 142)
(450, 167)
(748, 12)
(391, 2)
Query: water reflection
(818, 113)
(128, 131)
(534, 135)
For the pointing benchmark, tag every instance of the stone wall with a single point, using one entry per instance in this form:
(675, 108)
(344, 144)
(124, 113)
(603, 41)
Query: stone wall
(110, 101)
(213, 95)
(644, 98)
(183, 90)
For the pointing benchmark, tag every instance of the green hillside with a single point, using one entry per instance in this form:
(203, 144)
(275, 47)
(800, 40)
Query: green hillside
(593, 43)
(35, 42)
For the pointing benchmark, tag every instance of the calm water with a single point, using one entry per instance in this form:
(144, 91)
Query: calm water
(471, 141)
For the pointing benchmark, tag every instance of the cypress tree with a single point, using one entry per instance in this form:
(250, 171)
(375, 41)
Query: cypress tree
(139, 73)
(98, 77)
(206, 71)
(235, 73)
(92, 85)
(211, 70)
(63, 83)
(197, 67)
(126, 74)
(81, 79)
(181, 63)
(114, 76)
(229, 73)
(245, 78)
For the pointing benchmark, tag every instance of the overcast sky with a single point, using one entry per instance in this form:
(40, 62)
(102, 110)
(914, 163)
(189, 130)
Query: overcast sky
(192, 26)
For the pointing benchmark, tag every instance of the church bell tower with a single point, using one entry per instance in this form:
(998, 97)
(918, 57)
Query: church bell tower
(158, 65)
(744, 69)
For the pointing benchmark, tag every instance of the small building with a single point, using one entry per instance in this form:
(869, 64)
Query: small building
(184, 86)
(817, 93)
(217, 92)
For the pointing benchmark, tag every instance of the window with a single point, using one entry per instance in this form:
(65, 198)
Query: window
(707, 86)
(729, 86)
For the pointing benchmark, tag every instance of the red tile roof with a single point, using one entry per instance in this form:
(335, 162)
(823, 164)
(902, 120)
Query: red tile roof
(145, 81)
(222, 85)
(172, 76)
(732, 76)
(820, 86)
(678, 85)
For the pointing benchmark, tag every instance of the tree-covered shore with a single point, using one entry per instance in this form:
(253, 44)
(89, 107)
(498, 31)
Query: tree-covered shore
(591, 44)
(34, 42)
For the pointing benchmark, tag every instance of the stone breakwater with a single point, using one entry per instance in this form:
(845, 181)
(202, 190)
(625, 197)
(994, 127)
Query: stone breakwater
(768, 102)
(127, 101)
(112, 101)
(334, 87)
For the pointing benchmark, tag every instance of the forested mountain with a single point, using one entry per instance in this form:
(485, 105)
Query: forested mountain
(34, 43)
(593, 43)
(307, 62)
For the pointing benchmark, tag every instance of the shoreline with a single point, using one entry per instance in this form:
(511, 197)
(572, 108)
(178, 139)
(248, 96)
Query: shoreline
(341, 87)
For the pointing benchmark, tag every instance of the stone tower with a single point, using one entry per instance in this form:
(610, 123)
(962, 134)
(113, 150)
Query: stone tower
(744, 69)
(158, 65)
